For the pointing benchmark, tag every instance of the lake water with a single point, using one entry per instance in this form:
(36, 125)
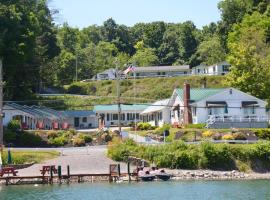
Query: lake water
(220, 190)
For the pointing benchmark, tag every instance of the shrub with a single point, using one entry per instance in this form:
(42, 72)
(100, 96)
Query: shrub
(106, 137)
(9, 136)
(78, 142)
(26, 139)
(207, 134)
(161, 130)
(195, 126)
(14, 125)
(58, 141)
(144, 126)
(228, 136)
(86, 138)
(239, 136)
(52, 134)
(217, 136)
(263, 134)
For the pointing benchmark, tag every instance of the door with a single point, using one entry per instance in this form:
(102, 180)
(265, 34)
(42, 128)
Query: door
(76, 122)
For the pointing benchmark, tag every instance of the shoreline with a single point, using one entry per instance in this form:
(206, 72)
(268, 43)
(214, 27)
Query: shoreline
(216, 175)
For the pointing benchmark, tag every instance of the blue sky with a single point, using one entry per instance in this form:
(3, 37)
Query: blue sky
(82, 13)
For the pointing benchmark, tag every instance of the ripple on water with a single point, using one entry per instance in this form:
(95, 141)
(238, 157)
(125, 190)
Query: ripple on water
(220, 190)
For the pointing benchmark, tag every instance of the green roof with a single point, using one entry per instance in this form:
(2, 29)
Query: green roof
(101, 108)
(198, 94)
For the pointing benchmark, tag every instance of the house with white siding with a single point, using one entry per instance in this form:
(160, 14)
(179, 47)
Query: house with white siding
(221, 68)
(34, 117)
(129, 113)
(157, 114)
(81, 119)
(218, 108)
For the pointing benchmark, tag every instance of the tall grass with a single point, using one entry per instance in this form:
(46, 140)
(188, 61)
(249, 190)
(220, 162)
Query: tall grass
(206, 155)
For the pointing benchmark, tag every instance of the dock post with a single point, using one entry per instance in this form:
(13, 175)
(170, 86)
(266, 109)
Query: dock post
(68, 173)
(128, 170)
(51, 175)
(59, 170)
(118, 170)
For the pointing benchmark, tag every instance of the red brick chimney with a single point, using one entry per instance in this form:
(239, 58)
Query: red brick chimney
(187, 108)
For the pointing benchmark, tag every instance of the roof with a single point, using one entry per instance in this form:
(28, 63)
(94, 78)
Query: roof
(114, 107)
(38, 111)
(79, 113)
(157, 106)
(111, 70)
(198, 94)
(162, 68)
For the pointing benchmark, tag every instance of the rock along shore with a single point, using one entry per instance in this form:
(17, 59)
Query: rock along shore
(215, 175)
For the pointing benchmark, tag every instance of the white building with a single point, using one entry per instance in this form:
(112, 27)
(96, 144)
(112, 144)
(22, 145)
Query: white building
(219, 108)
(162, 71)
(130, 113)
(33, 117)
(221, 68)
(157, 114)
(109, 74)
(81, 119)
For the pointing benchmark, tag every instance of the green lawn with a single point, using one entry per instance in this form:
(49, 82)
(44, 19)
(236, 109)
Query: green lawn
(26, 157)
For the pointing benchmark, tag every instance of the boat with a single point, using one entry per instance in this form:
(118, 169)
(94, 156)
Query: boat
(147, 177)
(163, 176)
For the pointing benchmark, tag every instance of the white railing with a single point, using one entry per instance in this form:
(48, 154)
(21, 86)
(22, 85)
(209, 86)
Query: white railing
(228, 118)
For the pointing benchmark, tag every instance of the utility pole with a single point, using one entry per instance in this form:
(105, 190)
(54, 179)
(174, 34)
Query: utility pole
(1, 105)
(76, 78)
(118, 97)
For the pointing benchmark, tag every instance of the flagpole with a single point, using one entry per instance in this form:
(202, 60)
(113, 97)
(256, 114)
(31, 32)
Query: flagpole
(134, 88)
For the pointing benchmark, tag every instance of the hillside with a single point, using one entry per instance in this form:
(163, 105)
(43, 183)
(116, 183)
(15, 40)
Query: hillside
(146, 91)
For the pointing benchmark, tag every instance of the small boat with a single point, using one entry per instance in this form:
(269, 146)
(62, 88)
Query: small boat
(147, 177)
(163, 176)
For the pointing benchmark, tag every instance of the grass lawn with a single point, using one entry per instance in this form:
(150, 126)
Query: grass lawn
(25, 157)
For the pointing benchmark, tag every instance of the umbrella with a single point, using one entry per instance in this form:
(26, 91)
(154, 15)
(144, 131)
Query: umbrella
(9, 161)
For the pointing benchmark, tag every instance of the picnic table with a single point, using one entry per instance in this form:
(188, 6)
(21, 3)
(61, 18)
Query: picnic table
(47, 168)
(8, 171)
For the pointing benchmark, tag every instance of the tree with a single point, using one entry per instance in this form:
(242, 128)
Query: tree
(250, 55)
(187, 41)
(211, 51)
(144, 56)
(27, 41)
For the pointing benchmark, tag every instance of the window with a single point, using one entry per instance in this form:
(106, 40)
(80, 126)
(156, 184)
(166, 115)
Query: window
(84, 119)
(123, 117)
(249, 111)
(115, 117)
(216, 111)
(194, 111)
(108, 117)
(137, 116)
(225, 68)
(160, 116)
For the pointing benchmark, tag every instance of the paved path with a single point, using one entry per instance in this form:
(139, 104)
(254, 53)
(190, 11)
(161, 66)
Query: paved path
(91, 159)
(141, 139)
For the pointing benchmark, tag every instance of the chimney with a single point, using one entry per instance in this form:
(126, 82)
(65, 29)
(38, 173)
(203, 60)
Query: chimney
(187, 108)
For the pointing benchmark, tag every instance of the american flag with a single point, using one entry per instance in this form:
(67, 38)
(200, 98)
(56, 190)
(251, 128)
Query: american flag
(129, 69)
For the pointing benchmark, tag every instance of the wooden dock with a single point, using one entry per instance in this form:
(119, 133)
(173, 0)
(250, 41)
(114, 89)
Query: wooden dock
(113, 175)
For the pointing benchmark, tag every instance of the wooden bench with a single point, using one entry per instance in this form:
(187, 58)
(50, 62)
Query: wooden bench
(8, 171)
(47, 169)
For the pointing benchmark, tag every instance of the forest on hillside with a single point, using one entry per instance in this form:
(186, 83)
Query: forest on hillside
(37, 53)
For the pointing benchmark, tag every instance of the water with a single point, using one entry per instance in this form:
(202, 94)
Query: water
(209, 190)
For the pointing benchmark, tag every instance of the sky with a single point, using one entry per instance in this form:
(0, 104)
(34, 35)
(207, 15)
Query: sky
(82, 13)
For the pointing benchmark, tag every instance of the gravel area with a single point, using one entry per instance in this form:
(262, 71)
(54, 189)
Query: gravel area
(88, 160)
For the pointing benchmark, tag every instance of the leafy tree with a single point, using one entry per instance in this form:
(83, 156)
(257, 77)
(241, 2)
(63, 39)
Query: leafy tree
(211, 51)
(187, 41)
(250, 55)
(144, 56)
(27, 41)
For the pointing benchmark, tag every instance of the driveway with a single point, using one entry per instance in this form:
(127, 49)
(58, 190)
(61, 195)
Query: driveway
(86, 160)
